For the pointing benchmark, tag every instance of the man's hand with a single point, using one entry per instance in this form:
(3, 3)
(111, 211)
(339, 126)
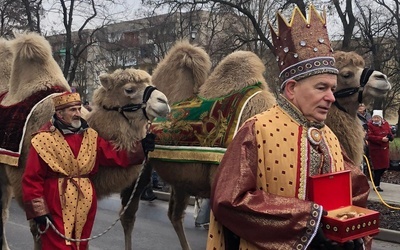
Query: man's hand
(356, 244)
(320, 242)
(148, 143)
(42, 220)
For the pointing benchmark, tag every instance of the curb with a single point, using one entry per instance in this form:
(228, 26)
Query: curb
(388, 235)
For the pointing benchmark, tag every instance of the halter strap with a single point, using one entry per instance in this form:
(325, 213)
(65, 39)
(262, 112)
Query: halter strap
(364, 78)
(134, 107)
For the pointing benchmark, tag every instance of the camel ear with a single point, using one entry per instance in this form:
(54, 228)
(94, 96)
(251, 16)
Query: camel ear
(106, 81)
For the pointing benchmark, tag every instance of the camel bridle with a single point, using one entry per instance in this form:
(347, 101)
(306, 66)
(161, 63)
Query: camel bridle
(365, 75)
(134, 107)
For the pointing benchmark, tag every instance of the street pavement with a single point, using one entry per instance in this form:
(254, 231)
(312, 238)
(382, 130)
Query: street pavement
(152, 228)
(390, 196)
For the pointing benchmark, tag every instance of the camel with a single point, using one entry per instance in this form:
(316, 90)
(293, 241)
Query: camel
(5, 70)
(185, 70)
(122, 93)
(32, 54)
(350, 133)
(195, 178)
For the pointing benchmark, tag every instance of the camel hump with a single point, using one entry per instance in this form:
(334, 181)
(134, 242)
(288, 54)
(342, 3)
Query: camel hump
(31, 46)
(182, 71)
(236, 71)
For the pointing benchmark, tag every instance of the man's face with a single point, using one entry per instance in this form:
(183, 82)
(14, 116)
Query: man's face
(71, 116)
(313, 96)
(361, 109)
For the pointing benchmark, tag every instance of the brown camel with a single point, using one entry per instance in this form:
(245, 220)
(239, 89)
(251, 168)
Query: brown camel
(32, 54)
(121, 93)
(186, 68)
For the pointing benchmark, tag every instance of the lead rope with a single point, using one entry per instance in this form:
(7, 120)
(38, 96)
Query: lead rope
(50, 224)
(373, 185)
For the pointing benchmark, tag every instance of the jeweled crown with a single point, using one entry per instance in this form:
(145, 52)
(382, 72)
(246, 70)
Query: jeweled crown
(302, 47)
(66, 100)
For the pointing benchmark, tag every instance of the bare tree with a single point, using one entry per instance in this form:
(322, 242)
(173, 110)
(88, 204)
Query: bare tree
(81, 20)
(20, 15)
(378, 40)
(348, 21)
(33, 9)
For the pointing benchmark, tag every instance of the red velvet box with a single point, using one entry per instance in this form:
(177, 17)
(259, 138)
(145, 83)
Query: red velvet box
(333, 192)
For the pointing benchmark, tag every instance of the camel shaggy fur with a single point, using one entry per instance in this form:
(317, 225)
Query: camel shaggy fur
(182, 72)
(346, 124)
(119, 90)
(37, 70)
(5, 64)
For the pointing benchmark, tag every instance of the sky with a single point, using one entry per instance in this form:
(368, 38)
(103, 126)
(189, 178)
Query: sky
(53, 21)
(53, 24)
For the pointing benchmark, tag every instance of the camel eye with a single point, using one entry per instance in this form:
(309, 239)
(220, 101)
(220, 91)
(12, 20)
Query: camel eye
(346, 74)
(129, 91)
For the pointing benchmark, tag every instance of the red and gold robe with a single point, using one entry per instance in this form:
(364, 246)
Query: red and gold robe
(56, 181)
(260, 190)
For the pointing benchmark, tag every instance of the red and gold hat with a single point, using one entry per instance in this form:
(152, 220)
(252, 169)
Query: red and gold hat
(302, 47)
(66, 100)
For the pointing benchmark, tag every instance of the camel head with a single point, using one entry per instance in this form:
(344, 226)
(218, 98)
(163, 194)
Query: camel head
(130, 92)
(357, 84)
(5, 64)
(124, 105)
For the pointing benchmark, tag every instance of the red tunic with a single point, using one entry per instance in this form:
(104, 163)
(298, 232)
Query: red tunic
(378, 150)
(41, 182)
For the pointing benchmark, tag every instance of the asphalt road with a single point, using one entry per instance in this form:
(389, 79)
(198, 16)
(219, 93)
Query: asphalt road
(152, 229)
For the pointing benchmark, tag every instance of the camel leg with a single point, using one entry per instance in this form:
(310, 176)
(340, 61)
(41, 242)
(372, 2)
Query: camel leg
(5, 197)
(176, 212)
(129, 217)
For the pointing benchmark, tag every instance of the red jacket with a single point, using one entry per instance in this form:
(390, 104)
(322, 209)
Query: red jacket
(378, 150)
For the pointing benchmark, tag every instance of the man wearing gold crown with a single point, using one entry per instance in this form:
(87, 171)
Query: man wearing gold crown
(56, 184)
(259, 196)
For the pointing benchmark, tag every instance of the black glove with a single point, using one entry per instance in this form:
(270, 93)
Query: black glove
(390, 137)
(321, 242)
(148, 143)
(356, 244)
(42, 220)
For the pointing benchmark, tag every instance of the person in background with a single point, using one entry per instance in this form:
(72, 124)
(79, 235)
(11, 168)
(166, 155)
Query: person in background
(65, 153)
(379, 134)
(363, 115)
(259, 197)
(203, 216)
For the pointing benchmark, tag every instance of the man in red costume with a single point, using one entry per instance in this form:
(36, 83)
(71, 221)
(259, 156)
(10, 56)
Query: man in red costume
(259, 197)
(56, 185)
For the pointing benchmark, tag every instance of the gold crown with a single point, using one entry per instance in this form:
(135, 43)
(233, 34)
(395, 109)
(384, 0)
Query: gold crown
(302, 47)
(66, 100)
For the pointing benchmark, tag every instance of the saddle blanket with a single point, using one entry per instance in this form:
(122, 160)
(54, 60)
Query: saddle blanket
(14, 120)
(199, 129)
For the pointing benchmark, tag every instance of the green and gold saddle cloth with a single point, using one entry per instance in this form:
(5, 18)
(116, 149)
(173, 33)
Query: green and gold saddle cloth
(199, 129)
